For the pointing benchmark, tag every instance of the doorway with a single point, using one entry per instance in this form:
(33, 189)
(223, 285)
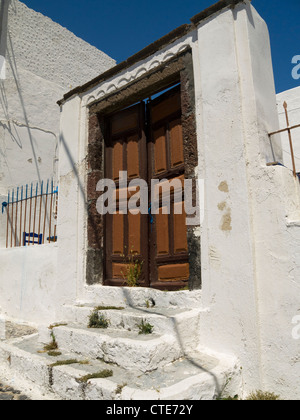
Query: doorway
(146, 141)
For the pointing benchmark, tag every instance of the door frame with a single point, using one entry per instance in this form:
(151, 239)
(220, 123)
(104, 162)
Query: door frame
(179, 69)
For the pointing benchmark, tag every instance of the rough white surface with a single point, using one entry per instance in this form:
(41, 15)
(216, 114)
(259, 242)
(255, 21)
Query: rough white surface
(34, 374)
(43, 61)
(51, 51)
(138, 297)
(127, 351)
(2, 328)
(250, 256)
(28, 281)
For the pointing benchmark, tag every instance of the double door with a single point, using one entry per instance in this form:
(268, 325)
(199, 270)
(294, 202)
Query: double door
(143, 248)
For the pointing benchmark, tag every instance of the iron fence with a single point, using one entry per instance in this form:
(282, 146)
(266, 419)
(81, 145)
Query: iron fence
(29, 215)
(288, 130)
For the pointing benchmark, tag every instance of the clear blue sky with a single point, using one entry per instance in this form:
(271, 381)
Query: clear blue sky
(121, 28)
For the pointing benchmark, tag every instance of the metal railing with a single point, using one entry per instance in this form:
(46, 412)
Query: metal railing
(288, 130)
(29, 215)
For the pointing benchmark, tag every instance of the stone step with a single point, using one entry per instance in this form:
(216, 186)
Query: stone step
(181, 323)
(202, 376)
(140, 297)
(127, 349)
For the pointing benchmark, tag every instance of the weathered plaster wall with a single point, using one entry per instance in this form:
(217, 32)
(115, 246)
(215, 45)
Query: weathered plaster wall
(43, 60)
(28, 283)
(250, 249)
(292, 98)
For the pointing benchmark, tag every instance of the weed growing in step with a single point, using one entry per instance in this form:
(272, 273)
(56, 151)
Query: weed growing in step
(69, 362)
(145, 328)
(120, 388)
(108, 308)
(52, 346)
(100, 375)
(150, 303)
(54, 353)
(97, 320)
(57, 325)
(255, 396)
(263, 396)
(134, 269)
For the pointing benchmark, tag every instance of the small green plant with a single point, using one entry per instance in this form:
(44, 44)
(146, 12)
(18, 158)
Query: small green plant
(120, 388)
(150, 303)
(235, 398)
(263, 396)
(145, 328)
(69, 362)
(52, 346)
(134, 269)
(108, 308)
(99, 375)
(51, 327)
(97, 320)
(53, 353)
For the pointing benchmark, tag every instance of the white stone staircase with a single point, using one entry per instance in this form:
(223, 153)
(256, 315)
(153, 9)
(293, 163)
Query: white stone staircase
(168, 364)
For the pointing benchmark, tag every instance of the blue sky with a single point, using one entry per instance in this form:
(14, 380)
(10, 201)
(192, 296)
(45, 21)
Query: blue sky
(121, 28)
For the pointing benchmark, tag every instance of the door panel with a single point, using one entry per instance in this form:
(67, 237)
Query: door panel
(133, 157)
(160, 148)
(117, 159)
(169, 256)
(174, 273)
(118, 234)
(125, 233)
(176, 143)
(162, 236)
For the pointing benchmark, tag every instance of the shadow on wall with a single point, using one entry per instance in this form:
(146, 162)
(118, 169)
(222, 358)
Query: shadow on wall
(13, 65)
(180, 340)
(127, 295)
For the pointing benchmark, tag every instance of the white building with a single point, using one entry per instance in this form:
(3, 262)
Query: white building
(42, 61)
(242, 264)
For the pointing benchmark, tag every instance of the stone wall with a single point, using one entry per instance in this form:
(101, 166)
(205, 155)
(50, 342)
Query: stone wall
(43, 61)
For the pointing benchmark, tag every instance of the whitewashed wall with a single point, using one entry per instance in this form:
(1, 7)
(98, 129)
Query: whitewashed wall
(28, 283)
(43, 61)
(251, 269)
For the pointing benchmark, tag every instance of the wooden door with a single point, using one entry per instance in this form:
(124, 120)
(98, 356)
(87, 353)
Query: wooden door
(126, 244)
(157, 242)
(169, 258)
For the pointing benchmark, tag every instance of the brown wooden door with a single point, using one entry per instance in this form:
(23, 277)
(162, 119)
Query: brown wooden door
(126, 234)
(158, 242)
(169, 258)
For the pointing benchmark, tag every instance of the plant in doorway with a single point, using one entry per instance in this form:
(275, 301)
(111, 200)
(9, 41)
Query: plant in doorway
(134, 268)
